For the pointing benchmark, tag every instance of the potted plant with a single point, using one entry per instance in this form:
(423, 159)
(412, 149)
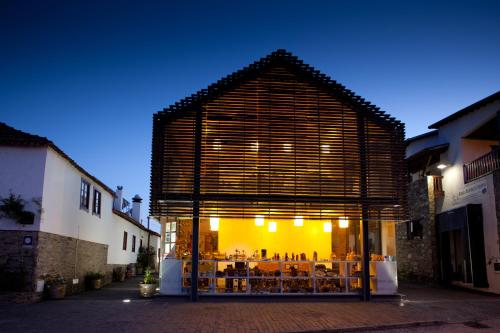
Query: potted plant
(118, 274)
(148, 286)
(56, 287)
(94, 280)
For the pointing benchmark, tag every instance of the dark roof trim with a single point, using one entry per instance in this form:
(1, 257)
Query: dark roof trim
(464, 111)
(421, 136)
(134, 222)
(221, 86)
(9, 136)
(438, 149)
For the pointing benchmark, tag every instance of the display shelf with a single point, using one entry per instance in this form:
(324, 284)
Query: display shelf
(275, 277)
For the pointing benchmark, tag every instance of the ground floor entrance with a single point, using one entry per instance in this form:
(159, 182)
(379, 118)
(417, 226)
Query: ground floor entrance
(461, 246)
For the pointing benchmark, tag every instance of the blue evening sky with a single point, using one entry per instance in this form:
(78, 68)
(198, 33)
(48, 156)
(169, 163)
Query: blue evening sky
(90, 74)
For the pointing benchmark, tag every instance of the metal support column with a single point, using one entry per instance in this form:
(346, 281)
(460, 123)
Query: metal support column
(196, 204)
(364, 208)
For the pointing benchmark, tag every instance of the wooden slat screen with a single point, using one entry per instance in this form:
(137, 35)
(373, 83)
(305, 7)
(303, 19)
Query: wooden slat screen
(278, 145)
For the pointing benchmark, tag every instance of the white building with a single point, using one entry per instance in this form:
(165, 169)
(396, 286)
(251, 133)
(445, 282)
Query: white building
(80, 225)
(454, 203)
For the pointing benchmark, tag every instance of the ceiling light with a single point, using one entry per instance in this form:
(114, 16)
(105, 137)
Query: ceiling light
(214, 223)
(327, 227)
(298, 221)
(259, 220)
(343, 222)
(272, 227)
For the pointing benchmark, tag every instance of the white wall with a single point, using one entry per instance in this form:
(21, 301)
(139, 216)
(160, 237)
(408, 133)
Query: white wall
(116, 254)
(21, 171)
(43, 173)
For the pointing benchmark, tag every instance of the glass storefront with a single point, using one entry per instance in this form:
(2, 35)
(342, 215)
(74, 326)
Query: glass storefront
(261, 255)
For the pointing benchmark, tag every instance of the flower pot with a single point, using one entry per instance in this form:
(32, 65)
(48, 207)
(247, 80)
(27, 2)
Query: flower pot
(57, 291)
(147, 290)
(96, 284)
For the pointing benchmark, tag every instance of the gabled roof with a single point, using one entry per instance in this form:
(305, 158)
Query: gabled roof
(234, 79)
(487, 100)
(134, 222)
(9, 136)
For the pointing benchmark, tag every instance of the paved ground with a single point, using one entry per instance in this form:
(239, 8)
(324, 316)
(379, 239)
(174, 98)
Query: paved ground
(423, 309)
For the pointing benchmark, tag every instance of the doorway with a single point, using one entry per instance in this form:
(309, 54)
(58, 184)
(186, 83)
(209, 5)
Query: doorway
(461, 246)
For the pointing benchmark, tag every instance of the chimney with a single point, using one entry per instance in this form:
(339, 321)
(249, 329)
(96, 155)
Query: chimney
(117, 204)
(136, 208)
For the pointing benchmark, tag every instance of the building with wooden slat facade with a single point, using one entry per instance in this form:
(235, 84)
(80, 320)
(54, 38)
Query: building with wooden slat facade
(280, 150)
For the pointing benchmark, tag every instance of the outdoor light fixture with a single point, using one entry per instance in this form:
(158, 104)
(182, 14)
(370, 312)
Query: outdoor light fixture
(255, 146)
(214, 223)
(126, 301)
(272, 227)
(442, 166)
(325, 149)
(343, 222)
(327, 227)
(287, 147)
(259, 220)
(298, 221)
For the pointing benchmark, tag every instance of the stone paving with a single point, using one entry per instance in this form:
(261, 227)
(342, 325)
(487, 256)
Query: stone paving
(421, 309)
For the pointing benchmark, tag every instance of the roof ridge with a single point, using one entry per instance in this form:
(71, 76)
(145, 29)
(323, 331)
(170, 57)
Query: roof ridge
(223, 83)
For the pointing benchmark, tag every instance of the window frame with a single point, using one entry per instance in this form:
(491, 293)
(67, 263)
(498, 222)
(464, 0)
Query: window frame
(96, 208)
(84, 195)
(125, 237)
(134, 239)
(414, 229)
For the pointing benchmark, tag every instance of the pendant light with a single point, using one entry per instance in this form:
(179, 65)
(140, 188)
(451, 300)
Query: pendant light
(298, 221)
(343, 222)
(214, 223)
(259, 220)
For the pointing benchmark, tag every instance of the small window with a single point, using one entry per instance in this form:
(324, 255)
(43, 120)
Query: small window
(133, 243)
(96, 207)
(84, 195)
(140, 243)
(125, 241)
(438, 186)
(414, 229)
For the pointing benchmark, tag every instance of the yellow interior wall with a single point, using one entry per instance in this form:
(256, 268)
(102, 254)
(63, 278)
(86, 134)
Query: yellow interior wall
(243, 234)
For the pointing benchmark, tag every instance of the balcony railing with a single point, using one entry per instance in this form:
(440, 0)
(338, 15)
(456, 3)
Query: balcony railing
(482, 166)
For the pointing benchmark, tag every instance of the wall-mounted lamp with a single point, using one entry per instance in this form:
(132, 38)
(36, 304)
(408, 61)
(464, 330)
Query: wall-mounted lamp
(259, 220)
(442, 166)
(298, 221)
(214, 223)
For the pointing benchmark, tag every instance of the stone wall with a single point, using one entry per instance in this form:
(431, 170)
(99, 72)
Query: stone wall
(17, 261)
(417, 258)
(496, 184)
(71, 258)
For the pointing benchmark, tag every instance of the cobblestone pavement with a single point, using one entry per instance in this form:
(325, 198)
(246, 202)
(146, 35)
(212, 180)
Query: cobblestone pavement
(421, 309)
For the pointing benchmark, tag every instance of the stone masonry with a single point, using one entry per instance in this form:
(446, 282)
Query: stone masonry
(51, 254)
(417, 258)
(71, 258)
(17, 261)
(496, 185)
